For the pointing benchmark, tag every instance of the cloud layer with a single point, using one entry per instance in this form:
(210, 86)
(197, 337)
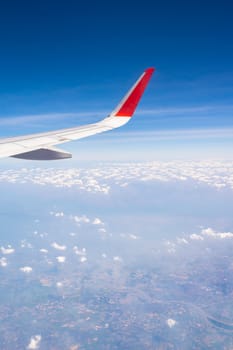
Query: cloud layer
(218, 174)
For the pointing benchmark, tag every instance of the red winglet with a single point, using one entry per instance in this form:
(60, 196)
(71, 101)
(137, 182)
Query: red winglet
(129, 103)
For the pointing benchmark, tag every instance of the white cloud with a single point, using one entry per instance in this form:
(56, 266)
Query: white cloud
(72, 234)
(45, 251)
(218, 174)
(57, 214)
(25, 244)
(83, 259)
(35, 118)
(81, 219)
(182, 240)
(34, 342)
(26, 269)
(58, 246)
(117, 259)
(97, 221)
(59, 284)
(211, 233)
(176, 110)
(102, 230)
(133, 236)
(8, 250)
(196, 237)
(61, 259)
(78, 251)
(170, 246)
(171, 323)
(3, 262)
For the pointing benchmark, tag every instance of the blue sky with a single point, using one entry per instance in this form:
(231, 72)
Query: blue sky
(67, 63)
(70, 62)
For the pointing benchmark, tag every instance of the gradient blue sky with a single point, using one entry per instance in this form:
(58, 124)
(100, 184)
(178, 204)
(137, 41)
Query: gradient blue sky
(69, 62)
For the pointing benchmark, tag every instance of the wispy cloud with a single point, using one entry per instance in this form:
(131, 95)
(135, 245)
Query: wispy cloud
(95, 115)
(187, 109)
(172, 134)
(175, 110)
(38, 118)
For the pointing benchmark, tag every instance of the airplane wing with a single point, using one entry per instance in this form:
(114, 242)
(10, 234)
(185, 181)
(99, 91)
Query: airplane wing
(40, 146)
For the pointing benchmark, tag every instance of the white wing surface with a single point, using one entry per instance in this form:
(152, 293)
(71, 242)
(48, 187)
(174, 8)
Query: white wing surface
(41, 146)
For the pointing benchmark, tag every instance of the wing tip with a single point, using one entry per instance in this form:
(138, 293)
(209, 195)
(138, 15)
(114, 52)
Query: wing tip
(150, 70)
(129, 103)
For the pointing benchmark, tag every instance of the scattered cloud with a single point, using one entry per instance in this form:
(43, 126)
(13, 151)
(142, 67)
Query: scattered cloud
(61, 259)
(170, 246)
(25, 244)
(8, 250)
(81, 252)
(81, 219)
(72, 234)
(34, 342)
(102, 230)
(3, 262)
(75, 347)
(58, 246)
(117, 259)
(97, 221)
(171, 323)
(83, 259)
(45, 251)
(57, 214)
(131, 236)
(204, 236)
(26, 269)
(59, 284)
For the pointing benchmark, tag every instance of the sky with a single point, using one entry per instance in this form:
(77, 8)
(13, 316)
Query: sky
(69, 63)
(152, 199)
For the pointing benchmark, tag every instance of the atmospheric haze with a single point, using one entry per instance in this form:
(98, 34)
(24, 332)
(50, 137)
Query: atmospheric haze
(122, 255)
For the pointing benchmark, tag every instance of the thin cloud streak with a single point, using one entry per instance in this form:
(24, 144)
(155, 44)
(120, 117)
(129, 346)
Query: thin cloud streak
(175, 110)
(8, 121)
(103, 113)
(175, 134)
(35, 118)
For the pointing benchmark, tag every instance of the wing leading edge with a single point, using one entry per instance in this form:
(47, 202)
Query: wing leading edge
(40, 146)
